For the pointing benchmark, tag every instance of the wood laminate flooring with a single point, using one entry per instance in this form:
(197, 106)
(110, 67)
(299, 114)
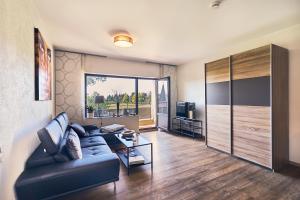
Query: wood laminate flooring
(184, 168)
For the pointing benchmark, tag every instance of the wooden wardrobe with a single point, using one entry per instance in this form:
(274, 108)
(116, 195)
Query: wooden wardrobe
(247, 105)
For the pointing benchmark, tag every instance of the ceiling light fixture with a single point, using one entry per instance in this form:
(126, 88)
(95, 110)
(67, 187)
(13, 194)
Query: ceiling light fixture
(216, 3)
(122, 40)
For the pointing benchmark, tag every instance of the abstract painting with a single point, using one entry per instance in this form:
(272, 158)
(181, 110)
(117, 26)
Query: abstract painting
(42, 68)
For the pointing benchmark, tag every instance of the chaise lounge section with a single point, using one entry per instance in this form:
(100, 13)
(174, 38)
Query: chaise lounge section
(50, 171)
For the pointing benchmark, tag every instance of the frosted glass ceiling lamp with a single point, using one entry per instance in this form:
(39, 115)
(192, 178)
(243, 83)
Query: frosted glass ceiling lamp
(123, 41)
(216, 3)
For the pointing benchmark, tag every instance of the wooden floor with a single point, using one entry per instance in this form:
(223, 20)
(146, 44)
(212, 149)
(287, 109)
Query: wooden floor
(186, 169)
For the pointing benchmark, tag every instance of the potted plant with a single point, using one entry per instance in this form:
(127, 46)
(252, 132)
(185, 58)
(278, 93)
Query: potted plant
(90, 111)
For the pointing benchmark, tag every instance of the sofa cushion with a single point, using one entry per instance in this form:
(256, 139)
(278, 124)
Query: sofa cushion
(50, 137)
(94, 133)
(92, 141)
(92, 130)
(62, 122)
(79, 130)
(73, 145)
(95, 151)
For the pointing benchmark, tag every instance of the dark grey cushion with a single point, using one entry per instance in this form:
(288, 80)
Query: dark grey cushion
(95, 151)
(94, 132)
(92, 141)
(79, 130)
(61, 120)
(73, 145)
(50, 137)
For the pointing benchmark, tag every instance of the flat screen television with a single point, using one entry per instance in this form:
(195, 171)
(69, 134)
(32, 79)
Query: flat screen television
(183, 108)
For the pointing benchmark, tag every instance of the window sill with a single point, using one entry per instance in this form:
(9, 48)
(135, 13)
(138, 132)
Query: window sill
(107, 117)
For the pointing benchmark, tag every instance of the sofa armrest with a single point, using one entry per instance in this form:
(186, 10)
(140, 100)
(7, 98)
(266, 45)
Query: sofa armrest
(60, 178)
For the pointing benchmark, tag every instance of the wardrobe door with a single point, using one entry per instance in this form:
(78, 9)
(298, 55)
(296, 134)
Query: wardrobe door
(251, 112)
(218, 105)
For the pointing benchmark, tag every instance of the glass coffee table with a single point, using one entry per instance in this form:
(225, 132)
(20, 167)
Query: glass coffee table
(129, 149)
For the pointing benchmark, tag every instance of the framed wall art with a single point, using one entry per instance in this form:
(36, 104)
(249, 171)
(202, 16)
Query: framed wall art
(43, 67)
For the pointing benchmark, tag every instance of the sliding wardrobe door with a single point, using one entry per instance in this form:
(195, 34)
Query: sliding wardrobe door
(251, 111)
(218, 117)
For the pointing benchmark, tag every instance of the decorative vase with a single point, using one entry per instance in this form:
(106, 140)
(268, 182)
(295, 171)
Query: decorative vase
(91, 115)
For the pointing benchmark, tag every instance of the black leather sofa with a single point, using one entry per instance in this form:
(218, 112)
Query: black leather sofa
(48, 175)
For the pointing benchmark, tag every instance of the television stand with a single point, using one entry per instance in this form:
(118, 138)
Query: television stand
(186, 126)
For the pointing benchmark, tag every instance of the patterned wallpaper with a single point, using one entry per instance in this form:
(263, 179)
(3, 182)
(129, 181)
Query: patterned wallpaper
(69, 89)
(69, 82)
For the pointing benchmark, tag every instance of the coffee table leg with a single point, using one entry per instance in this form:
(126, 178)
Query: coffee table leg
(128, 149)
(151, 157)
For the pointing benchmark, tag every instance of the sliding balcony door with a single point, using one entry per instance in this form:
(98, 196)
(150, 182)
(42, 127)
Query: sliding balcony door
(147, 103)
(163, 103)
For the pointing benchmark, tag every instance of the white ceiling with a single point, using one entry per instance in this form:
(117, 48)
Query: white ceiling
(168, 31)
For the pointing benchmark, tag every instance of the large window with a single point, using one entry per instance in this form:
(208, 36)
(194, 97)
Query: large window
(110, 96)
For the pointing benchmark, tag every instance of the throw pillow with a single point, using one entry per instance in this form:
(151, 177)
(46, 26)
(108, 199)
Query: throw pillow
(73, 145)
(79, 130)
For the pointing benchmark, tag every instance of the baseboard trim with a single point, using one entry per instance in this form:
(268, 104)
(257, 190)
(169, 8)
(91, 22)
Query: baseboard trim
(143, 130)
(294, 163)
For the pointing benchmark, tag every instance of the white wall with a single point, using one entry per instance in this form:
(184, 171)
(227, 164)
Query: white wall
(21, 116)
(190, 83)
(191, 77)
(95, 64)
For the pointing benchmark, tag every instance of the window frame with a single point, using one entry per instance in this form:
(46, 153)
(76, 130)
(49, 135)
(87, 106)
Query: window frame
(115, 76)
